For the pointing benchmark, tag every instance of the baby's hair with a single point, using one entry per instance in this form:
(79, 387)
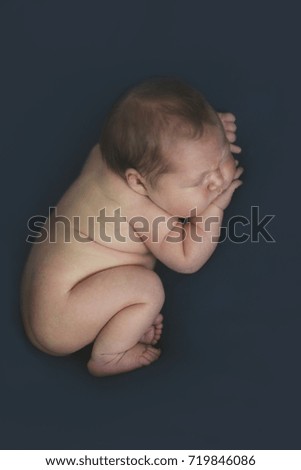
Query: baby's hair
(146, 119)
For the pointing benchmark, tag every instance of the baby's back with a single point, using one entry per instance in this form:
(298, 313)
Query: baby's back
(81, 241)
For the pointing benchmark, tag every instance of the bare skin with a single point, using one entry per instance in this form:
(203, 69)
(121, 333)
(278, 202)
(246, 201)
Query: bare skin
(104, 290)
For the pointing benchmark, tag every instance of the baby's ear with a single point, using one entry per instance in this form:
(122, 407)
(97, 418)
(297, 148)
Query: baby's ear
(136, 181)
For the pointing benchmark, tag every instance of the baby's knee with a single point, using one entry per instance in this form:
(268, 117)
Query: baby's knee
(153, 289)
(147, 285)
(158, 289)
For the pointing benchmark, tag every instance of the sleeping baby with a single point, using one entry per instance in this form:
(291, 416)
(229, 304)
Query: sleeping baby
(154, 187)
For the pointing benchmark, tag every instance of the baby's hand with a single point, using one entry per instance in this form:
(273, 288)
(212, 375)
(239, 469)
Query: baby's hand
(223, 200)
(228, 120)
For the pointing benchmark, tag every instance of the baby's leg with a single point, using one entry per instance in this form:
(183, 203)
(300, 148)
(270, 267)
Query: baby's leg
(115, 308)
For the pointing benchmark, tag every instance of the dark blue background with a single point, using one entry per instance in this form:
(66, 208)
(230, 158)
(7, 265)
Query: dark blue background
(229, 376)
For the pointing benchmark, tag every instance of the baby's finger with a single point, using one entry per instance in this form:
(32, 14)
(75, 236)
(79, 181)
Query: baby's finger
(235, 148)
(231, 136)
(236, 184)
(230, 190)
(230, 126)
(238, 173)
(227, 117)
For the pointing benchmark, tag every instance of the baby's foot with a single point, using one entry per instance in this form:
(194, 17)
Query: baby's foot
(111, 364)
(153, 333)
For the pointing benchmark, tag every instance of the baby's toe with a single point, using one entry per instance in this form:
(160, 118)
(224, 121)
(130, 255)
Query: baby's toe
(148, 336)
(158, 319)
(149, 355)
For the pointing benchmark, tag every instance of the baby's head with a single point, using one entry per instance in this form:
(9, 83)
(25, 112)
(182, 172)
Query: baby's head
(166, 141)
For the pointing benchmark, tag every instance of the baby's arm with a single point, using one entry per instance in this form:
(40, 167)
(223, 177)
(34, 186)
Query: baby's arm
(203, 232)
(178, 246)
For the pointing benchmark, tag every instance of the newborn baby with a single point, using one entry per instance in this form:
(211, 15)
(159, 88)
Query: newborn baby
(154, 187)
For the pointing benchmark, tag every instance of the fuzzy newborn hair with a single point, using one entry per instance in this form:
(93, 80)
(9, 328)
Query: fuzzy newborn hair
(146, 119)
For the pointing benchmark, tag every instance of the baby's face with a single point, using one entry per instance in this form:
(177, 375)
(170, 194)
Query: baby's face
(201, 171)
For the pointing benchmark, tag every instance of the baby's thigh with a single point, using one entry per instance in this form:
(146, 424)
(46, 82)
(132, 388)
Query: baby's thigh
(93, 301)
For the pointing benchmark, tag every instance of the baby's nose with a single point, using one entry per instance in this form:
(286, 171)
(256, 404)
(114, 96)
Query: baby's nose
(216, 182)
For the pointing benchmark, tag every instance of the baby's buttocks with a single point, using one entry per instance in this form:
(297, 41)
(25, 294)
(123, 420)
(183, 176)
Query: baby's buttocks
(52, 270)
(87, 233)
(69, 262)
(79, 260)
